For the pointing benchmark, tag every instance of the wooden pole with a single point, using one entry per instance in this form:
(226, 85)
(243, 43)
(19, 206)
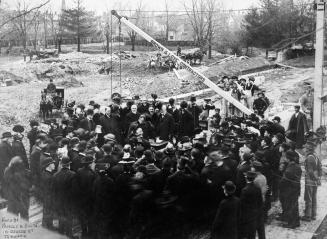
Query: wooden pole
(319, 60)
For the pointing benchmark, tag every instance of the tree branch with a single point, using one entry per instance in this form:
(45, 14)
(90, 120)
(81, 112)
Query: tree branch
(24, 13)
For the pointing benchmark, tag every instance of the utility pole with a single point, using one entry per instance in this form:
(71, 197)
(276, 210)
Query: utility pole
(319, 60)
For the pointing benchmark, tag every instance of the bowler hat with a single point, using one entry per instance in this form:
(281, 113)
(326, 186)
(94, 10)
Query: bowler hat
(46, 162)
(6, 135)
(229, 187)
(250, 175)
(18, 129)
(65, 161)
(88, 159)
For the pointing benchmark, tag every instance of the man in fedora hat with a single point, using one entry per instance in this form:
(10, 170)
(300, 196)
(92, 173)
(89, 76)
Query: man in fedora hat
(297, 127)
(313, 172)
(64, 201)
(251, 207)
(225, 225)
(82, 188)
(6, 152)
(46, 191)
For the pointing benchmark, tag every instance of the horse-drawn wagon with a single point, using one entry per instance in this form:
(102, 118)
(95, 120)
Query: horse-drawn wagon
(51, 101)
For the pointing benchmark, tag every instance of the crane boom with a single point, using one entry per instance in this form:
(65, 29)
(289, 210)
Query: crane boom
(196, 73)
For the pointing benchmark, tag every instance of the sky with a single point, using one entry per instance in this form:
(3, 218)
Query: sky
(100, 6)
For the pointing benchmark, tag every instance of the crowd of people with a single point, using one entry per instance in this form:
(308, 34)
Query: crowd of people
(147, 169)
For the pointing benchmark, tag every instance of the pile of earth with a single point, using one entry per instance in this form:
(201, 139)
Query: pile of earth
(10, 78)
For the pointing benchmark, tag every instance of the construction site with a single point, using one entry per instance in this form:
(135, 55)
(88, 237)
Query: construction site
(85, 76)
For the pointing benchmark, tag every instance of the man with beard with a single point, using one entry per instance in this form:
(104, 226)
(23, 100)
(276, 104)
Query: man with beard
(132, 116)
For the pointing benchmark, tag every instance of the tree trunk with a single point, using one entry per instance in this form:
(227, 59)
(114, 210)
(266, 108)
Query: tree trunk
(59, 45)
(133, 43)
(78, 43)
(209, 50)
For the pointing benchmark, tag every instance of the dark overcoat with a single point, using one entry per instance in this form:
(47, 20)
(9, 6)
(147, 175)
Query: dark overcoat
(165, 126)
(298, 126)
(225, 225)
(6, 154)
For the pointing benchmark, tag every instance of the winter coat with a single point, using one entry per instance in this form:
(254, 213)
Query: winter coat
(19, 150)
(225, 225)
(17, 184)
(290, 184)
(62, 190)
(186, 124)
(195, 110)
(112, 125)
(6, 154)
(298, 126)
(165, 127)
(83, 189)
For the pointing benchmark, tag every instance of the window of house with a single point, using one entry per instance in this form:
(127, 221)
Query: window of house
(171, 37)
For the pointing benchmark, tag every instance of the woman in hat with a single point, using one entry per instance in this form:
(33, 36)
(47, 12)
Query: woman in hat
(6, 152)
(225, 225)
(17, 183)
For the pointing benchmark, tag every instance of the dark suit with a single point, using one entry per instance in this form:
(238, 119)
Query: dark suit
(35, 165)
(195, 110)
(165, 127)
(186, 124)
(112, 124)
(290, 188)
(6, 154)
(87, 124)
(240, 181)
(62, 189)
(225, 225)
(19, 150)
(104, 189)
(84, 197)
(251, 210)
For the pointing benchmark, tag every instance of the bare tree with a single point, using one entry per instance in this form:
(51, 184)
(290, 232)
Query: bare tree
(36, 25)
(45, 28)
(137, 19)
(201, 15)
